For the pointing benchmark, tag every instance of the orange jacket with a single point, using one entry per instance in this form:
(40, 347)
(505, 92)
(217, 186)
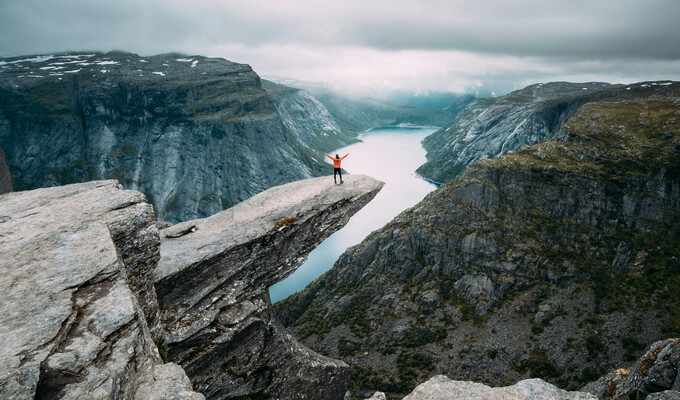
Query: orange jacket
(336, 161)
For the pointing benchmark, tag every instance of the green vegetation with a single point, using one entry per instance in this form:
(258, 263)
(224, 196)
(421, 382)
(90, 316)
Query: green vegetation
(539, 365)
(633, 348)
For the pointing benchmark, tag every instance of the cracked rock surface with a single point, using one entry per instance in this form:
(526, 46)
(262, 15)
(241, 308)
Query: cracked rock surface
(212, 284)
(74, 273)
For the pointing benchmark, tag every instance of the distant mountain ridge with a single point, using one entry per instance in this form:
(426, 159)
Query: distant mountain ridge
(490, 126)
(357, 114)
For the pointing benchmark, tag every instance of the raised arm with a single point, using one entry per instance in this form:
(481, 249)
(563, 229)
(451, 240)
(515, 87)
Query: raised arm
(343, 157)
(329, 156)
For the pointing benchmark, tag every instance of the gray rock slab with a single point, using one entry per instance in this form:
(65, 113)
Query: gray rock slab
(442, 388)
(72, 325)
(212, 284)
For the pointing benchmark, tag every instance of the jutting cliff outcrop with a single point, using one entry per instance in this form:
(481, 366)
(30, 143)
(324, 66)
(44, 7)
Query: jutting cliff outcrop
(212, 284)
(82, 268)
(558, 261)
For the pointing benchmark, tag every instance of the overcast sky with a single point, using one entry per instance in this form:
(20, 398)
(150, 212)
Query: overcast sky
(443, 45)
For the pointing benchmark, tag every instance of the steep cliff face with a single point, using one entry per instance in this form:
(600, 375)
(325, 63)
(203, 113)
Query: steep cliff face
(489, 127)
(212, 284)
(5, 177)
(195, 134)
(558, 261)
(307, 118)
(77, 294)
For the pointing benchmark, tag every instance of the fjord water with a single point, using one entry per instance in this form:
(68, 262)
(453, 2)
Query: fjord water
(390, 155)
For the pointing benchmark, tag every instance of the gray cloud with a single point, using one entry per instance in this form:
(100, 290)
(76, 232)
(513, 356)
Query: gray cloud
(473, 41)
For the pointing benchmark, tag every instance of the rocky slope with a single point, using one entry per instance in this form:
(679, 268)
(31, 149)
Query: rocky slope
(75, 277)
(195, 134)
(492, 126)
(5, 177)
(558, 261)
(655, 376)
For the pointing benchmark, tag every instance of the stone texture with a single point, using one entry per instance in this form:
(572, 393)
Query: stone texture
(74, 272)
(656, 375)
(5, 177)
(212, 288)
(442, 388)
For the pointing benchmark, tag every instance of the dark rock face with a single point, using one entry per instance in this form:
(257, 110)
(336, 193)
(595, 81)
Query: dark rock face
(212, 283)
(490, 127)
(75, 277)
(304, 115)
(654, 376)
(5, 177)
(558, 261)
(196, 135)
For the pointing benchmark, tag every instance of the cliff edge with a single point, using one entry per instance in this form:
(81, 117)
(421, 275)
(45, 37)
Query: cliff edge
(83, 265)
(212, 284)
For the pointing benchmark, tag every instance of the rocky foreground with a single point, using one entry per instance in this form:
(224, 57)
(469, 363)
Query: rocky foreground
(91, 293)
(75, 274)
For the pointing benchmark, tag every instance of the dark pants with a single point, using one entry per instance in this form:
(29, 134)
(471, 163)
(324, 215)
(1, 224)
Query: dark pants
(337, 171)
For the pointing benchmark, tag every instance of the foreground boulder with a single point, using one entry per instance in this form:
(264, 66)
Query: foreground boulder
(74, 274)
(212, 284)
(442, 388)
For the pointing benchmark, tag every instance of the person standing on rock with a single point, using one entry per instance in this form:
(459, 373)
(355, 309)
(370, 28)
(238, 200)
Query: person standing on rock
(337, 169)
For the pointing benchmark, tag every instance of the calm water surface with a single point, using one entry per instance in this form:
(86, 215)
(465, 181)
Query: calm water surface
(390, 155)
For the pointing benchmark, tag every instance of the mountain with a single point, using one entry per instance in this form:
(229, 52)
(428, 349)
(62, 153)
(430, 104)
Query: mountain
(557, 261)
(357, 114)
(195, 134)
(304, 115)
(492, 126)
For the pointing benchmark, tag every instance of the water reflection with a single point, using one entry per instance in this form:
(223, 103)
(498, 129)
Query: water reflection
(387, 154)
